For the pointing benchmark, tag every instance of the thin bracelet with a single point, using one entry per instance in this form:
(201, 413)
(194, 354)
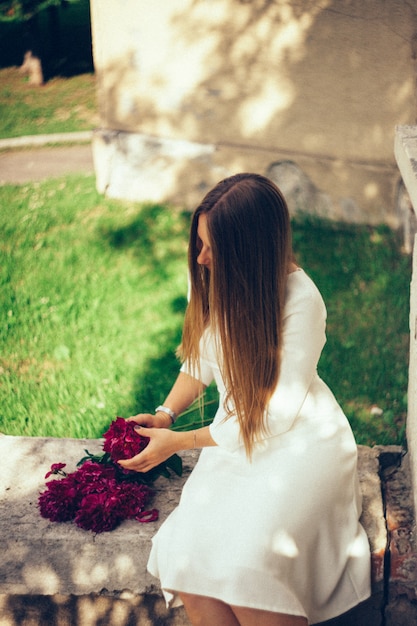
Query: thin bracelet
(168, 411)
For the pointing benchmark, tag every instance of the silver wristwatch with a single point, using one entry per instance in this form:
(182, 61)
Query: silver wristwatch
(168, 411)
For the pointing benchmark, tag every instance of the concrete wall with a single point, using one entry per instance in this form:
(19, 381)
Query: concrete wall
(192, 90)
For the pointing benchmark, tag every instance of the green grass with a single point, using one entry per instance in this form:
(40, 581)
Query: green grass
(67, 100)
(365, 282)
(93, 296)
(92, 302)
(61, 105)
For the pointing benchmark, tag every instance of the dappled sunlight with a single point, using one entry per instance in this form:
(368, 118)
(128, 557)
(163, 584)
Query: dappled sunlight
(88, 613)
(54, 573)
(275, 42)
(327, 429)
(24, 469)
(91, 610)
(371, 190)
(42, 579)
(124, 563)
(356, 548)
(87, 572)
(164, 68)
(21, 468)
(400, 93)
(20, 462)
(258, 110)
(195, 59)
(284, 544)
(259, 82)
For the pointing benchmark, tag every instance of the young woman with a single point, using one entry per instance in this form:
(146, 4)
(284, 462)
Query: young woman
(267, 531)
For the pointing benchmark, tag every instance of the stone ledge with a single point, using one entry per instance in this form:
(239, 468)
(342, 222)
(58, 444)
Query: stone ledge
(45, 560)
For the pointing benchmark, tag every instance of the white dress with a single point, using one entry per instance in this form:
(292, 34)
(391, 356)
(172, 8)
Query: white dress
(280, 533)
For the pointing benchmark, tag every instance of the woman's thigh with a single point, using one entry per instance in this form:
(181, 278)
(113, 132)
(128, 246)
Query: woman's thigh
(206, 611)
(255, 617)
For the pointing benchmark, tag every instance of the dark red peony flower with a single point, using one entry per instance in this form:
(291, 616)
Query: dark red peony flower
(94, 477)
(99, 495)
(62, 498)
(94, 472)
(104, 510)
(56, 469)
(99, 512)
(133, 497)
(59, 502)
(121, 440)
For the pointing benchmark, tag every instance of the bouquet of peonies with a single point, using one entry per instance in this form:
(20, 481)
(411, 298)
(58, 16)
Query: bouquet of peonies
(100, 493)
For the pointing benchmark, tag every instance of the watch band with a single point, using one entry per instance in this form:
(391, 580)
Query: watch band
(168, 411)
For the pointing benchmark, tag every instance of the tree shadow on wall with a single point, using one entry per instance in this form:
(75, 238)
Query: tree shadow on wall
(262, 43)
(261, 77)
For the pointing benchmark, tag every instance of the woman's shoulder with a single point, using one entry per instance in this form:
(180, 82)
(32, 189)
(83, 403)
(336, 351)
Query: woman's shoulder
(299, 280)
(301, 288)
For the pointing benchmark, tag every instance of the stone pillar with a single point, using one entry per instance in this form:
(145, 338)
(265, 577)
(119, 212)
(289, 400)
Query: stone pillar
(406, 155)
(412, 381)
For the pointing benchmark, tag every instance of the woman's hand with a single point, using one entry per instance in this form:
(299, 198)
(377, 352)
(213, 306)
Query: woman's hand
(157, 420)
(163, 444)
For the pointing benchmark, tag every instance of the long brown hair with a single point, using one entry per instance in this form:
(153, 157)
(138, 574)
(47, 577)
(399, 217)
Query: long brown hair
(242, 296)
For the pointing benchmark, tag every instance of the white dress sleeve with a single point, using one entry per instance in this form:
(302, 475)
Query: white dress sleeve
(207, 367)
(203, 373)
(302, 342)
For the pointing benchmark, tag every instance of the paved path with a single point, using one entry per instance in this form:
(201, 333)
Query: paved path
(37, 164)
(27, 159)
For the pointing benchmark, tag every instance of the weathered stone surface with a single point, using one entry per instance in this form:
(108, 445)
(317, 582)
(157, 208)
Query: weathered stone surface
(143, 168)
(373, 511)
(400, 518)
(41, 557)
(301, 194)
(400, 612)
